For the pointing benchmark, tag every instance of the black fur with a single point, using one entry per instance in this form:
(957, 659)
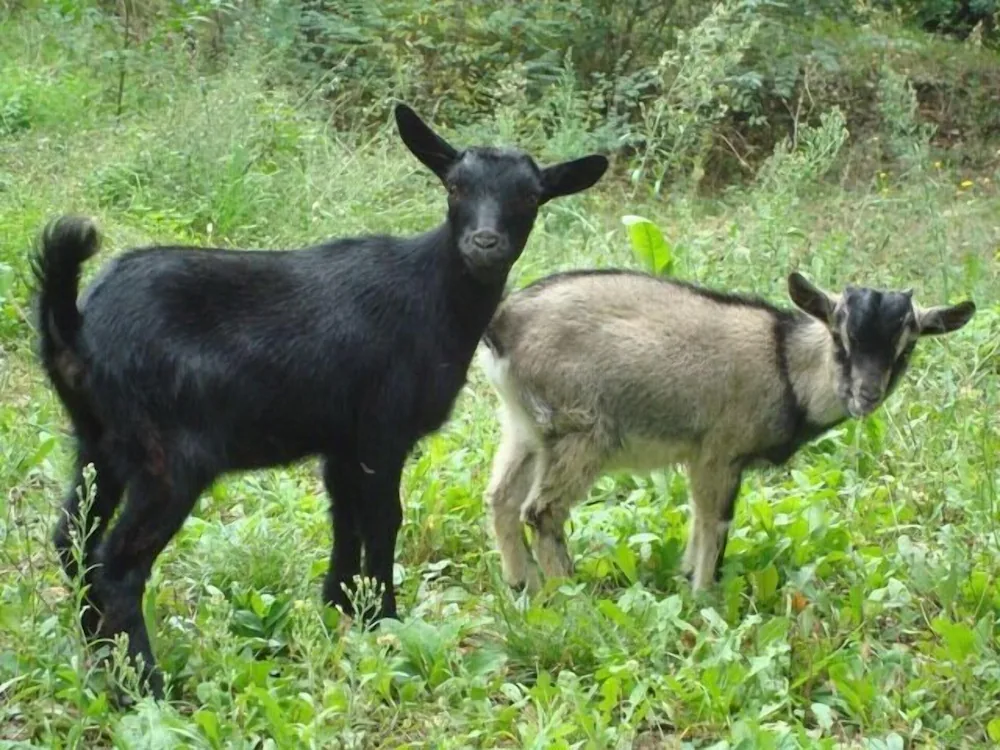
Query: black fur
(70, 243)
(193, 362)
(899, 368)
(875, 322)
(795, 425)
(877, 319)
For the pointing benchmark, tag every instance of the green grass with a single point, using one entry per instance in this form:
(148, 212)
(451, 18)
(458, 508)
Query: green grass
(859, 601)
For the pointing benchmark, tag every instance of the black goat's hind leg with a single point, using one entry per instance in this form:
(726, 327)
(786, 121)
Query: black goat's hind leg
(155, 510)
(108, 490)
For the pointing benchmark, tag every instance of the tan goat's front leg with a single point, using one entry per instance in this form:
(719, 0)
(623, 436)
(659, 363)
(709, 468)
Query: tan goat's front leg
(714, 489)
(693, 542)
(513, 474)
(568, 468)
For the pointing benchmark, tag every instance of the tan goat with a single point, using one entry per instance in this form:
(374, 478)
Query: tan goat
(610, 369)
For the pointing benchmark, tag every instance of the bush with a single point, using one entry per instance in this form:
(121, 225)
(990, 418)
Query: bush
(700, 92)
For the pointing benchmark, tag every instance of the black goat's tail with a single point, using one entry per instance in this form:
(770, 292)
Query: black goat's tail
(66, 243)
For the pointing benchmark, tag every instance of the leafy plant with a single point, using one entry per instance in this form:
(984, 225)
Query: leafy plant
(858, 603)
(649, 245)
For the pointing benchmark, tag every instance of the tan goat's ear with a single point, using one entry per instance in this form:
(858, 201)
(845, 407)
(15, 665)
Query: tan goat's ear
(944, 319)
(810, 297)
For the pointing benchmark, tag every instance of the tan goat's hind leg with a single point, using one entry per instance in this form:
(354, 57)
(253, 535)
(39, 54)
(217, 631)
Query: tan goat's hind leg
(512, 477)
(713, 495)
(694, 540)
(570, 466)
(549, 542)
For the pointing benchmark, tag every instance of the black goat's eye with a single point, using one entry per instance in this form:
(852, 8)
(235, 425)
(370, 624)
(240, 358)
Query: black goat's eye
(452, 190)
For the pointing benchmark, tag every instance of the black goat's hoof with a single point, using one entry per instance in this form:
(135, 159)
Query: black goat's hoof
(150, 686)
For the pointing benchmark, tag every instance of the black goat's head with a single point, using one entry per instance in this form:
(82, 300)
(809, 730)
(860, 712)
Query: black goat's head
(493, 193)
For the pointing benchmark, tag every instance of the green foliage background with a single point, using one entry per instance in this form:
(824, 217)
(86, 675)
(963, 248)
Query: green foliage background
(854, 141)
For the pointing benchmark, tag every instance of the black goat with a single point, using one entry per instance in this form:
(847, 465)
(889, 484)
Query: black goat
(181, 364)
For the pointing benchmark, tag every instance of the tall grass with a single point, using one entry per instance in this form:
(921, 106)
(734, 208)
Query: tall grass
(859, 601)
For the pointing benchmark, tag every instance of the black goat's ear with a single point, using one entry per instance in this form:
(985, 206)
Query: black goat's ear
(433, 151)
(570, 177)
(810, 297)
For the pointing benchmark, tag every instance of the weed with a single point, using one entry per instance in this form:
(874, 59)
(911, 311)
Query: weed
(859, 602)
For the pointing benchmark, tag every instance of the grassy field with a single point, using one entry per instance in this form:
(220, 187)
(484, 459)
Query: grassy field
(859, 602)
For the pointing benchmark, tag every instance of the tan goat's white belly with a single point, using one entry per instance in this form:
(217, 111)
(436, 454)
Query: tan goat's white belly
(642, 455)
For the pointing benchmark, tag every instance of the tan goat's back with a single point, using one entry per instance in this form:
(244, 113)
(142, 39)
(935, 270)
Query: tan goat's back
(661, 359)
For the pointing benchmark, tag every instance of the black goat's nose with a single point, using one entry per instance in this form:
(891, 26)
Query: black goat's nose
(486, 240)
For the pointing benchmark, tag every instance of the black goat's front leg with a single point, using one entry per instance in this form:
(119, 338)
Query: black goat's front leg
(345, 555)
(381, 518)
(366, 513)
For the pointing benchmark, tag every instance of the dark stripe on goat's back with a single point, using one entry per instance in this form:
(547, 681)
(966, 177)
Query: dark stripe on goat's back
(738, 299)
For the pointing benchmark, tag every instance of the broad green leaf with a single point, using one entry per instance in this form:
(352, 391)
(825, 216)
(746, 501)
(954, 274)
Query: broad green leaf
(610, 693)
(824, 715)
(277, 721)
(993, 729)
(149, 615)
(98, 707)
(628, 564)
(34, 459)
(613, 612)
(766, 582)
(648, 244)
(6, 281)
(485, 661)
(276, 615)
(959, 639)
(847, 686)
(773, 631)
(208, 722)
(246, 624)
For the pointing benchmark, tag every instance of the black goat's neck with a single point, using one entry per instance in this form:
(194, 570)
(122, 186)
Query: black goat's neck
(469, 300)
